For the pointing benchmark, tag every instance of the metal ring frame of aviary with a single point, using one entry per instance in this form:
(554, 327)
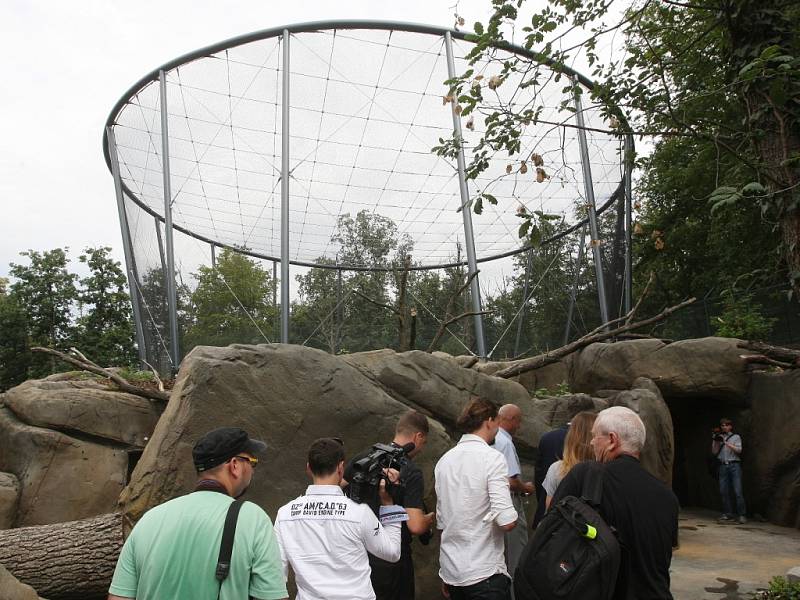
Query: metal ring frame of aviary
(262, 142)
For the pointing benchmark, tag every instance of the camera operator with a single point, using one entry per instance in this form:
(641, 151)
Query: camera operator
(325, 536)
(728, 448)
(395, 581)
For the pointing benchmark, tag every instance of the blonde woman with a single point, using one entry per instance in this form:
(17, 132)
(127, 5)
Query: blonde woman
(577, 449)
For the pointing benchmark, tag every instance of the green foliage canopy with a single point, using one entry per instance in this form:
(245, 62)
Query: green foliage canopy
(232, 303)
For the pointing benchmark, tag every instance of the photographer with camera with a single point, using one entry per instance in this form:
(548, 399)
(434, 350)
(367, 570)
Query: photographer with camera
(395, 581)
(728, 448)
(325, 536)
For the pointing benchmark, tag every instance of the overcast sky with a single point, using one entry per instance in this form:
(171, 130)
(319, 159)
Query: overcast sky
(65, 64)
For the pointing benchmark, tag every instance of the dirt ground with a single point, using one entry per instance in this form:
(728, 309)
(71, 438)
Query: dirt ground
(718, 561)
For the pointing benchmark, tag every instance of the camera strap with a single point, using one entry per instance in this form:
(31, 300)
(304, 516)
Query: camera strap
(226, 546)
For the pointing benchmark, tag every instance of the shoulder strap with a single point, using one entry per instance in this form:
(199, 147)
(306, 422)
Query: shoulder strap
(592, 488)
(226, 547)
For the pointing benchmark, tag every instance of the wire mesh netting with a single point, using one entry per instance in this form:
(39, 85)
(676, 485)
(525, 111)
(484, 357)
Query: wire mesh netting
(366, 107)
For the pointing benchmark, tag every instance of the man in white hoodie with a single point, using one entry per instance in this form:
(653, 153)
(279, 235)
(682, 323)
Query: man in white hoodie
(325, 536)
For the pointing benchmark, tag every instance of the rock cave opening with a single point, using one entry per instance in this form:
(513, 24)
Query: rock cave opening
(693, 420)
(133, 458)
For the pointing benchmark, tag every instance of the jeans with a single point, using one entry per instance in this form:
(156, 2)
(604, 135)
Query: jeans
(496, 587)
(730, 476)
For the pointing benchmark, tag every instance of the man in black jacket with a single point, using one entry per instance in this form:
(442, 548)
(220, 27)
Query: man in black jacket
(551, 449)
(642, 509)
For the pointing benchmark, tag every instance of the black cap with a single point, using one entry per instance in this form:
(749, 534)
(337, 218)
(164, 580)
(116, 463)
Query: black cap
(222, 444)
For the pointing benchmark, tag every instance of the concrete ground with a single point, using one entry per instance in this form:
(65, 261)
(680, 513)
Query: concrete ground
(718, 561)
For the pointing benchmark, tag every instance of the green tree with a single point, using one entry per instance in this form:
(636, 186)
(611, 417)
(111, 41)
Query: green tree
(366, 240)
(15, 354)
(155, 316)
(316, 313)
(741, 317)
(692, 250)
(232, 303)
(549, 269)
(104, 331)
(45, 291)
(725, 73)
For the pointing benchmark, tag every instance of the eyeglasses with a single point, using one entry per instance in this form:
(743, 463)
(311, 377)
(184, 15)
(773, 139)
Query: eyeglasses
(253, 461)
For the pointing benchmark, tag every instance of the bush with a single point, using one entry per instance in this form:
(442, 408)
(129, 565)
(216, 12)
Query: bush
(742, 318)
(781, 589)
(561, 389)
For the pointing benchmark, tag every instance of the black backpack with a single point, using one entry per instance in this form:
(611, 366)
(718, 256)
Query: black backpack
(573, 552)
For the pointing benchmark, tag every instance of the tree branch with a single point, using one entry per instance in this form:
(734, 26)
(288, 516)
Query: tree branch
(375, 302)
(553, 356)
(631, 314)
(761, 359)
(155, 375)
(445, 324)
(789, 356)
(448, 309)
(86, 365)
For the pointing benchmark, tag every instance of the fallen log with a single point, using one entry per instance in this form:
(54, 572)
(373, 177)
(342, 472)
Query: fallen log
(597, 335)
(788, 356)
(83, 363)
(65, 561)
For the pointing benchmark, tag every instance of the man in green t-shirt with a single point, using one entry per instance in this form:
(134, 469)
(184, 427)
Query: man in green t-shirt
(172, 551)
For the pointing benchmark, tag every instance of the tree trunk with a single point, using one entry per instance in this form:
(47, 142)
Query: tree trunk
(65, 561)
(790, 229)
(773, 120)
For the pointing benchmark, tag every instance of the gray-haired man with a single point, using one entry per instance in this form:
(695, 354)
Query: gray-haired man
(641, 508)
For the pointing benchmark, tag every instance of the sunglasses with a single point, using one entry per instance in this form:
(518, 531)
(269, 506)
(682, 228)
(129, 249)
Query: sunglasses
(253, 461)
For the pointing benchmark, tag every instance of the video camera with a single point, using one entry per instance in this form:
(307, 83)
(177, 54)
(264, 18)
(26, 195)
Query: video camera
(716, 435)
(369, 471)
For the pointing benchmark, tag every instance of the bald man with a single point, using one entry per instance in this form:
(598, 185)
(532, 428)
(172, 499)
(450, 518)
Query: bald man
(510, 418)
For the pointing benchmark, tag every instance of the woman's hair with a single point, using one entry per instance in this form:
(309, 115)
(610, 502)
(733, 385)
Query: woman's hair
(475, 413)
(577, 447)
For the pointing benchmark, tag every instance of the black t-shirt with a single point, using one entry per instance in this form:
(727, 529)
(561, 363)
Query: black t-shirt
(644, 512)
(408, 495)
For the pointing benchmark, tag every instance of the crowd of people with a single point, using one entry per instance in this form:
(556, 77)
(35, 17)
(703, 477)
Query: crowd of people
(208, 544)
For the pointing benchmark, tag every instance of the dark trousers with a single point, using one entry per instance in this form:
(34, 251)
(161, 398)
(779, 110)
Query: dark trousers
(393, 581)
(496, 587)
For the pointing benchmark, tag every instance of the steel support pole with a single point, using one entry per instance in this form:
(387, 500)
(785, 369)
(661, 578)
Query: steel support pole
(590, 205)
(172, 296)
(466, 209)
(574, 292)
(524, 301)
(628, 231)
(285, 193)
(127, 247)
(161, 255)
(276, 326)
(213, 256)
(338, 318)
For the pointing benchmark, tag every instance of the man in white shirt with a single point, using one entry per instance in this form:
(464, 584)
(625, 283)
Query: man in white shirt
(510, 418)
(474, 510)
(325, 536)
